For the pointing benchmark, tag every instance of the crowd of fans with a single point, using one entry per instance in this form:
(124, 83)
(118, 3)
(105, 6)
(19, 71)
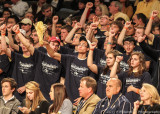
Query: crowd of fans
(96, 56)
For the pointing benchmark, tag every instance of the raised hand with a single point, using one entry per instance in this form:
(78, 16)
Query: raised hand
(55, 19)
(92, 45)
(93, 26)
(9, 27)
(111, 33)
(141, 38)
(89, 5)
(127, 24)
(2, 20)
(15, 28)
(3, 29)
(119, 59)
(154, 13)
(78, 25)
(96, 20)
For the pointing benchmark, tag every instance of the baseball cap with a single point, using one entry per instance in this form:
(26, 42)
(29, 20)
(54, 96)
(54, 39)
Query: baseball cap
(53, 38)
(26, 21)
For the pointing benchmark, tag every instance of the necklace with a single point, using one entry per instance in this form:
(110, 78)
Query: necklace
(113, 103)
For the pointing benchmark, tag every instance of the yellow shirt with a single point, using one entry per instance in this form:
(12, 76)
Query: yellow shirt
(122, 15)
(156, 6)
(128, 11)
(145, 7)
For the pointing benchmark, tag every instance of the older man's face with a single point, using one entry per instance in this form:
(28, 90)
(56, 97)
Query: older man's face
(112, 88)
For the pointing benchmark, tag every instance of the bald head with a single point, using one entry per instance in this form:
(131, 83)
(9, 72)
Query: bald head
(113, 87)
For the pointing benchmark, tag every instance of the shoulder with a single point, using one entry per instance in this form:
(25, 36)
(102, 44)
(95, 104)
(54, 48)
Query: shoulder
(67, 101)
(124, 99)
(94, 98)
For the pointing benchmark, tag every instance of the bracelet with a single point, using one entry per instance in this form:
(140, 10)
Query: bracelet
(137, 91)
(109, 43)
(152, 18)
(125, 27)
(92, 49)
(17, 32)
(117, 61)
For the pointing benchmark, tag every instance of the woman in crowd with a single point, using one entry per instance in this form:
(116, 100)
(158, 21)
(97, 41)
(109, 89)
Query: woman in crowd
(133, 78)
(150, 102)
(102, 72)
(35, 103)
(61, 104)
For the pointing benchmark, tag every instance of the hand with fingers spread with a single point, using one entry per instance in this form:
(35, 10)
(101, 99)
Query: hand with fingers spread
(154, 13)
(89, 5)
(55, 19)
(119, 59)
(141, 38)
(78, 25)
(92, 45)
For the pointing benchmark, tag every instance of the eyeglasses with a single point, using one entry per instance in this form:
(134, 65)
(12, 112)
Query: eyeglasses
(83, 45)
(24, 24)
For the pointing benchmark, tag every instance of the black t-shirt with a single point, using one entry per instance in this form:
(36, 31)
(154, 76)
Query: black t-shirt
(101, 38)
(156, 42)
(23, 71)
(47, 72)
(123, 64)
(135, 82)
(101, 82)
(99, 57)
(75, 70)
(4, 66)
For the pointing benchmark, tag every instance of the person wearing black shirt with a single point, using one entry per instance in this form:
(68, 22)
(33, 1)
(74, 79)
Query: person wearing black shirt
(47, 69)
(103, 73)
(133, 78)
(24, 65)
(75, 67)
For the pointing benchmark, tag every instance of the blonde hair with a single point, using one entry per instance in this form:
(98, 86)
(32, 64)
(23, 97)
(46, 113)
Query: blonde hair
(153, 92)
(38, 96)
(103, 9)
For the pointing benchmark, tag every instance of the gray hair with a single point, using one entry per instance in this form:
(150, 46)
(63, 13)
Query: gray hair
(118, 4)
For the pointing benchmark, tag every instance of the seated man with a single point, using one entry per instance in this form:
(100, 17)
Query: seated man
(8, 103)
(89, 100)
(114, 102)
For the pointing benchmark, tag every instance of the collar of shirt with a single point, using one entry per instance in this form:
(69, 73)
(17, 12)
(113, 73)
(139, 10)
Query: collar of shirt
(5, 101)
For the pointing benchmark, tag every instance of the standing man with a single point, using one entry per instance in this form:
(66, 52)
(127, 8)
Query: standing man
(8, 103)
(88, 102)
(114, 102)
